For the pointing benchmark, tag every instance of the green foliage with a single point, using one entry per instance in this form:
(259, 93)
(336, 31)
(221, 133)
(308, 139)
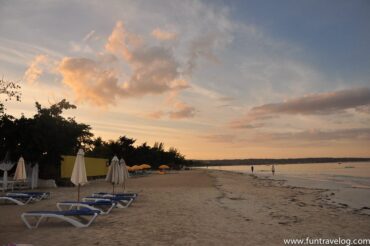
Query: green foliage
(48, 135)
(44, 138)
(10, 90)
(123, 147)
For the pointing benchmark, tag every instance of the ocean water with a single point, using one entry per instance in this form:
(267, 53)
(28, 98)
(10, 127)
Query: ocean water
(349, 181)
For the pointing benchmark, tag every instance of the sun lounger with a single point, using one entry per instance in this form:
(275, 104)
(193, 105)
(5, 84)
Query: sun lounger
(39, 194)
(74, 217)
(121, 202)
(19, 199)
(103, 206)
(106, 194)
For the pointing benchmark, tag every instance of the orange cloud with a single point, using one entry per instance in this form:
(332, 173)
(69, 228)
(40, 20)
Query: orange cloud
(120, 41)
(35, 69)
(90, 81)
(220, 138)
(182, 110)
(154, 70)
(156, 114)
(163, 35)
(178, 109)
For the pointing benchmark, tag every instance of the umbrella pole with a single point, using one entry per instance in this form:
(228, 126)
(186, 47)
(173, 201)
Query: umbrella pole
(113, 188)
(78, 192)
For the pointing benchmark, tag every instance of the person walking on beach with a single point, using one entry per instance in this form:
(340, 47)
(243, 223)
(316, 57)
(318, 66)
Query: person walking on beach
(252, 168)
(273, 169)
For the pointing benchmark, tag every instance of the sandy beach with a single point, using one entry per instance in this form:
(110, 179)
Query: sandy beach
(198, 207)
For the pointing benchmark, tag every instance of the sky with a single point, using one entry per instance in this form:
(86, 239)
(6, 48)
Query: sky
(215, 79)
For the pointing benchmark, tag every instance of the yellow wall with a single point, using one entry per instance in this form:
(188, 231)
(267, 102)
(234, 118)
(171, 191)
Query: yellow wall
(94, 166)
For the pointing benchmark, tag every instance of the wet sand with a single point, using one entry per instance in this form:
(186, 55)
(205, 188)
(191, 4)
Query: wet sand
(198, 207)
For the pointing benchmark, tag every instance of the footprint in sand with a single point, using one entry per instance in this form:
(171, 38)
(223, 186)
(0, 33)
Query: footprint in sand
(302, 204)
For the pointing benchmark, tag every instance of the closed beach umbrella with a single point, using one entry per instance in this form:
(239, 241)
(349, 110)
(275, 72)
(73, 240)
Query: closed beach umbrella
(125, 172)
(78, 176)
(20, 171)
(115, 173)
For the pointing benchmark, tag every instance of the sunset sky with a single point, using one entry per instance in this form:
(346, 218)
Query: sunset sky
(215, 79)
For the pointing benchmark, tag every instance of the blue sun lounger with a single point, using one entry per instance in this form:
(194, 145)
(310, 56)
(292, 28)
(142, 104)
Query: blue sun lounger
(106, 194)
(38, 194)
(74, 217)
(19, 199)
(104, 207)
(121, 202)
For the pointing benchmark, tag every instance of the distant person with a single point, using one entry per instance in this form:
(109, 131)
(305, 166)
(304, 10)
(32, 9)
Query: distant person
(252, 168)
(273, 169)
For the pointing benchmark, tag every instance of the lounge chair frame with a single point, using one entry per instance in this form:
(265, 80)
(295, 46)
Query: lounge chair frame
(62, 206)
(75, 220)
(18, 199)
(105, 194)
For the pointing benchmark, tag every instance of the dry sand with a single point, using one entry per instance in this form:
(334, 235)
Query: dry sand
(197, 207)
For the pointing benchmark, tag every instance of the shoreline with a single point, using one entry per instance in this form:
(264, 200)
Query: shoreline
(329, 193)
(284, 161)
(346, 187)
(197, 207)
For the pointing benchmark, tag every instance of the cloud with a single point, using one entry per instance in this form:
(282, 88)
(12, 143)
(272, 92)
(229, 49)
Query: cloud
(84, 46)
(129, 66)
(313, 104)
(36, 69)
(322, 135)
(204, 92)
(120, 41)
(163, 35)
(178, 110)
(182, 110)
(90, 81)
(202, 47)
(90, 36)
(174, 108)
(153, 70)
(156, 115)
(296, 138)
(220, 138)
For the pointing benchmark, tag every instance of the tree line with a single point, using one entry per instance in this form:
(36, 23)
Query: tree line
(48, 135)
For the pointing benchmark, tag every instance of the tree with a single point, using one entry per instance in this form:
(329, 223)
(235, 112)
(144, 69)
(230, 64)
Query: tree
(9, 90)
(45, 137)
(122, 147)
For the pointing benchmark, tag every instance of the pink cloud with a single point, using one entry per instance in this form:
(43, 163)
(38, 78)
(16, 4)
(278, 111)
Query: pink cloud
(36, 68)
(154, 70)
(182, 110)
(314, 104)
(220, 138)
(163, 35)
(90, 81)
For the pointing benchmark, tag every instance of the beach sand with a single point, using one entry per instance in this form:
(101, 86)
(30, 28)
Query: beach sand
(198, 207)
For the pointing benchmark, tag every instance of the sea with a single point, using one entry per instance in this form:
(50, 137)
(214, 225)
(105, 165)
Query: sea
(349, 181)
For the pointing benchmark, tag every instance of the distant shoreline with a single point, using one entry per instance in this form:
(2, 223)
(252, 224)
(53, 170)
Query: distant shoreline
(240, 162)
